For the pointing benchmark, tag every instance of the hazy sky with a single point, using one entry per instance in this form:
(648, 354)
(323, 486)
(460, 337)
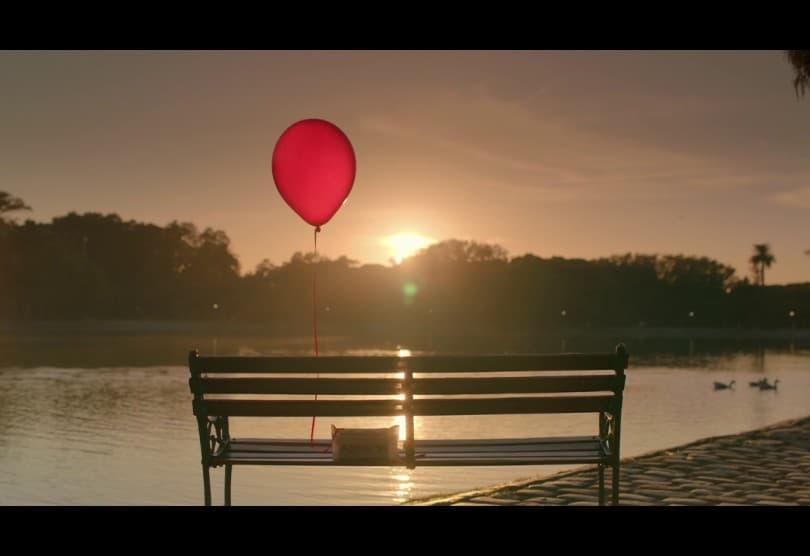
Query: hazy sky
(572, 153)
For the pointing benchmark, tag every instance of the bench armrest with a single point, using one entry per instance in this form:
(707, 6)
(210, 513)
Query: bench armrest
(217, 435)
(608, 432)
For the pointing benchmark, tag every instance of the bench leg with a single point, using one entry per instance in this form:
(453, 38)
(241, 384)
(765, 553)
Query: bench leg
(228, 485)
(207, 484)
(601, 484)
(616, 485)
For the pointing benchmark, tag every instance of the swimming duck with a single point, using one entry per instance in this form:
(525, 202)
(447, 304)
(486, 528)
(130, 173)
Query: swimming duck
(766, 386)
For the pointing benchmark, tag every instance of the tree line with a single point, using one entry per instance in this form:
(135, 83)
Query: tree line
(94, 266)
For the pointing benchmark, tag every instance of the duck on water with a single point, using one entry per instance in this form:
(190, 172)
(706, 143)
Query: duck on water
(767, 386)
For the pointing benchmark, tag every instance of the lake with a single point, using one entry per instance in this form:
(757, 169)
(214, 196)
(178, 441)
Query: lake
(92, 419)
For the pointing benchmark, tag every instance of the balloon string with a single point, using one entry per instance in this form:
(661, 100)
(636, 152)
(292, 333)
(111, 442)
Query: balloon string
(314, 324)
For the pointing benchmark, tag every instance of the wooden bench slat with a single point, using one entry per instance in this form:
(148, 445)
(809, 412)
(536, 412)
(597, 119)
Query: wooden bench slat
(422, 407)
(512, 363)
(302, 408)
(506, 460)
(513, 385)
(420, 386)
(462, 456)
(292, 442)
(504, 441)
(513, 448)
(236, 447)
(325, 386)
(304, 447)
(500, 406)
(478, 460)
(417, 364)
(313, 454)
(304, 364)
(429, 442)
(265, 461)
(317, 456)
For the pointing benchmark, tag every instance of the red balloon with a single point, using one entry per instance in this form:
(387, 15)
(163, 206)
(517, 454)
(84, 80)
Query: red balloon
(314, 168)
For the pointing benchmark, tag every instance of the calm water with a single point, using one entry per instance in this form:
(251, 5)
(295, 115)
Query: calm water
(107, 419)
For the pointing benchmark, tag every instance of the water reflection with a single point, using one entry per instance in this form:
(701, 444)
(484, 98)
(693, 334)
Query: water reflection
(759, 360)
(402, 485)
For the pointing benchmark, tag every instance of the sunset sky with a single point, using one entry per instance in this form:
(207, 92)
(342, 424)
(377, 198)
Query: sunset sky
(569, 153)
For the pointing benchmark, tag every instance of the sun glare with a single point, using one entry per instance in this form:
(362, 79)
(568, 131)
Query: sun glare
(406, 244)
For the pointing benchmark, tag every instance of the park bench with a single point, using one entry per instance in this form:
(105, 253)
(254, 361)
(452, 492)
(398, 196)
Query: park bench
(418, 386)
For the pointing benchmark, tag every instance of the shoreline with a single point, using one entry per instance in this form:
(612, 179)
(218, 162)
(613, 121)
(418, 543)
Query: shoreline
(224, 329)
(769, 466)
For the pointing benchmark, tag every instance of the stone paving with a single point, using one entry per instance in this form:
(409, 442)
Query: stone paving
(765, 467)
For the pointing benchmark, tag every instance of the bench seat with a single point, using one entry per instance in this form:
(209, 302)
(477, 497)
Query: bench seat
(467, 452)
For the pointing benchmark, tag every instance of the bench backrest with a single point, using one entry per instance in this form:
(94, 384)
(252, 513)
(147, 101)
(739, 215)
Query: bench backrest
(592, 392)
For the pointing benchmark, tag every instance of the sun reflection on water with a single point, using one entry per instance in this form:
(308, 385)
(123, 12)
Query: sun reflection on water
(403, 485)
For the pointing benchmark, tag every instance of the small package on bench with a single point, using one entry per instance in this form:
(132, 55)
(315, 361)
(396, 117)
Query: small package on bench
(367, 445)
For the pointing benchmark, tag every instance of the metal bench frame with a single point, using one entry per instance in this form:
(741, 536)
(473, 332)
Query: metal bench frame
(574, 390)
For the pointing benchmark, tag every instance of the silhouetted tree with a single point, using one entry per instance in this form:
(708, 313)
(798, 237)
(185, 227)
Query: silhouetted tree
(101, 266)
(264, 268)
(761, 259)
(458, 251)
(800, 60)
(9, 203)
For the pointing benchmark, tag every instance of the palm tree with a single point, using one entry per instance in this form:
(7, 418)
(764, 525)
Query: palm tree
(800, 59)
(761, 258)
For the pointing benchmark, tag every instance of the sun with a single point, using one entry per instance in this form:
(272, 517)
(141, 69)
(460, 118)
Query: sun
(406, 244)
